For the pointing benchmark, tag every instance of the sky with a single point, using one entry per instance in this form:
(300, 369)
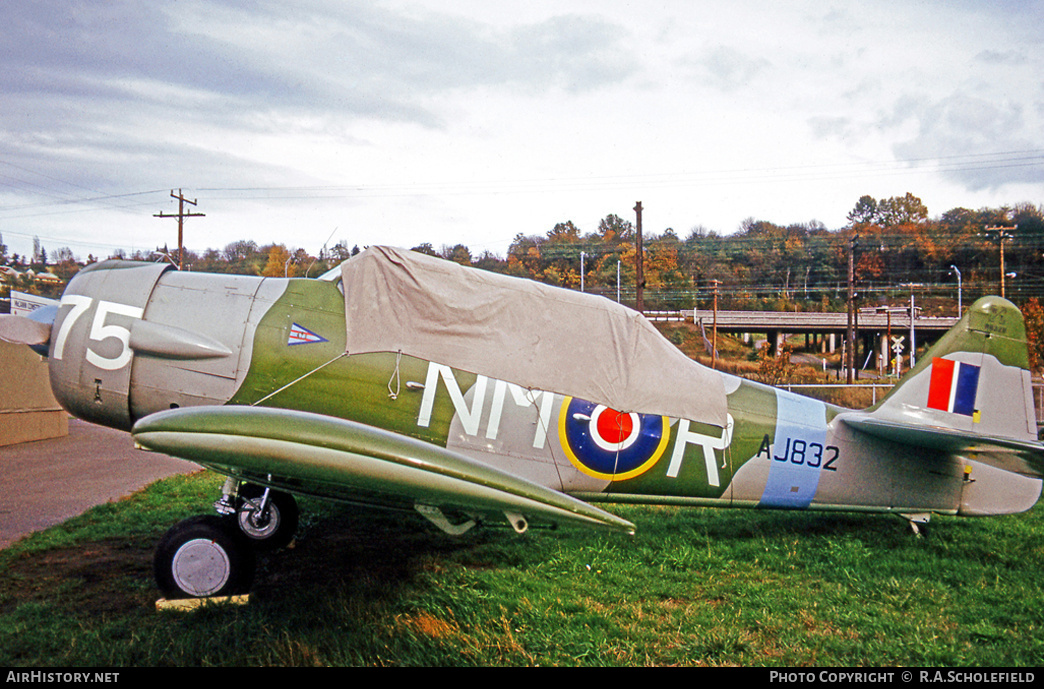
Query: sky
(401, 122)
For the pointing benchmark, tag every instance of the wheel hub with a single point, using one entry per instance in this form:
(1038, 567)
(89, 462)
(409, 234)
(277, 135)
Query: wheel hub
(258, 524)
(201, 567)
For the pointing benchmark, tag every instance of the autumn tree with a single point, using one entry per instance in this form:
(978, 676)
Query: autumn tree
(524, 256)
(1033, 315)
(278, 264)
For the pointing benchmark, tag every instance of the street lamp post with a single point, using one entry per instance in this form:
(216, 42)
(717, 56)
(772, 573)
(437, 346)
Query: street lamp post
(957, 272)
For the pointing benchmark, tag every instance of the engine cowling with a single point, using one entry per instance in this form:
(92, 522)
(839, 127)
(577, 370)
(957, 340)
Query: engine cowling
(131, 339)
(90, 354)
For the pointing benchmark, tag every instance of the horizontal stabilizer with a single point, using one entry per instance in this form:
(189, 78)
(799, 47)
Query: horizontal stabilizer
(1010, 454)
(331, 457)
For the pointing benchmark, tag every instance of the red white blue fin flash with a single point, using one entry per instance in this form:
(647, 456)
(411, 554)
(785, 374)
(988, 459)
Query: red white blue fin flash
(953, 386)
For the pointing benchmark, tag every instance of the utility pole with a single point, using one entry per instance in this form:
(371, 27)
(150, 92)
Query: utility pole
(639, 276)
(913, 332)
(850, 331)
(888, 341)
(181, 215)
(714, 331)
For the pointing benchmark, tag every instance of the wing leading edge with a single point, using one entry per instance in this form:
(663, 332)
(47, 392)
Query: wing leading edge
(333, 457)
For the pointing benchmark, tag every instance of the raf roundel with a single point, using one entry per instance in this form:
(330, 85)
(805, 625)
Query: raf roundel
(608, 444)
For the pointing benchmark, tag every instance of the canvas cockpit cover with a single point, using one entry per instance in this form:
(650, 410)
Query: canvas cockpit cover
(522, 332)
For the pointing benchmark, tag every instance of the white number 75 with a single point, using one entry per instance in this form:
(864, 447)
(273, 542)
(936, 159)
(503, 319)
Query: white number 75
(99, 329)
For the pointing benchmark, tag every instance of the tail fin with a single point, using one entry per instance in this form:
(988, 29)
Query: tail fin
(975, 379)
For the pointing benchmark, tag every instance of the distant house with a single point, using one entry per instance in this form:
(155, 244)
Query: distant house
(8, 274)
(45, 277)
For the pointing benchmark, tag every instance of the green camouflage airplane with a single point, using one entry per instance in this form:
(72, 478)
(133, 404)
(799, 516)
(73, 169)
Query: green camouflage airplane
(408, 382)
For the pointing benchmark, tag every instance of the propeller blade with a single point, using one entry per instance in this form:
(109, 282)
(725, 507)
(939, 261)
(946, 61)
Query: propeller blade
(22, 330)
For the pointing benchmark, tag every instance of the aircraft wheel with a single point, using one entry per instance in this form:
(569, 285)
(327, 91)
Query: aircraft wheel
(203, 556)
(275, 528)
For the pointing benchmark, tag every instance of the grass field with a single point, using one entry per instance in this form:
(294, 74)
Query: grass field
(693, 587)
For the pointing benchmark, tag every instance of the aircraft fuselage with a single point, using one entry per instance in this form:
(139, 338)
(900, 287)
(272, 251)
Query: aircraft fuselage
(133, 341)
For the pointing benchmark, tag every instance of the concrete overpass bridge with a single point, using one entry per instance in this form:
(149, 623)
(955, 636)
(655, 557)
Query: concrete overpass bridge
(826, 331)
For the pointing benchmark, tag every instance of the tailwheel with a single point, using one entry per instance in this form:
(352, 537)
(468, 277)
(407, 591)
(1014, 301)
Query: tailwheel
(268, 518)
(203, 556)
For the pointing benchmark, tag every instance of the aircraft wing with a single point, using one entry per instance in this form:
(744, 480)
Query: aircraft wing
(331, 457)
(1010, 454)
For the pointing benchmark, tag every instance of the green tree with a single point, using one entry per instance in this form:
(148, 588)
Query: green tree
(458, 253)
(39, 261)
(340, 252)
(901, 210)
(864, 212)
(426, 248)
(245, 257)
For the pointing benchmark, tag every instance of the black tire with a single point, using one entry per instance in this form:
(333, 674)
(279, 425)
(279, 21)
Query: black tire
(277, 527)
(203, 556)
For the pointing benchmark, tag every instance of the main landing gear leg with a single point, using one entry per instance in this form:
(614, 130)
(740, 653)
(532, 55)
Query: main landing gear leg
(268, 518)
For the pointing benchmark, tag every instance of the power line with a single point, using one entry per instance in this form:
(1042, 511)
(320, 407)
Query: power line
(715, 177)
